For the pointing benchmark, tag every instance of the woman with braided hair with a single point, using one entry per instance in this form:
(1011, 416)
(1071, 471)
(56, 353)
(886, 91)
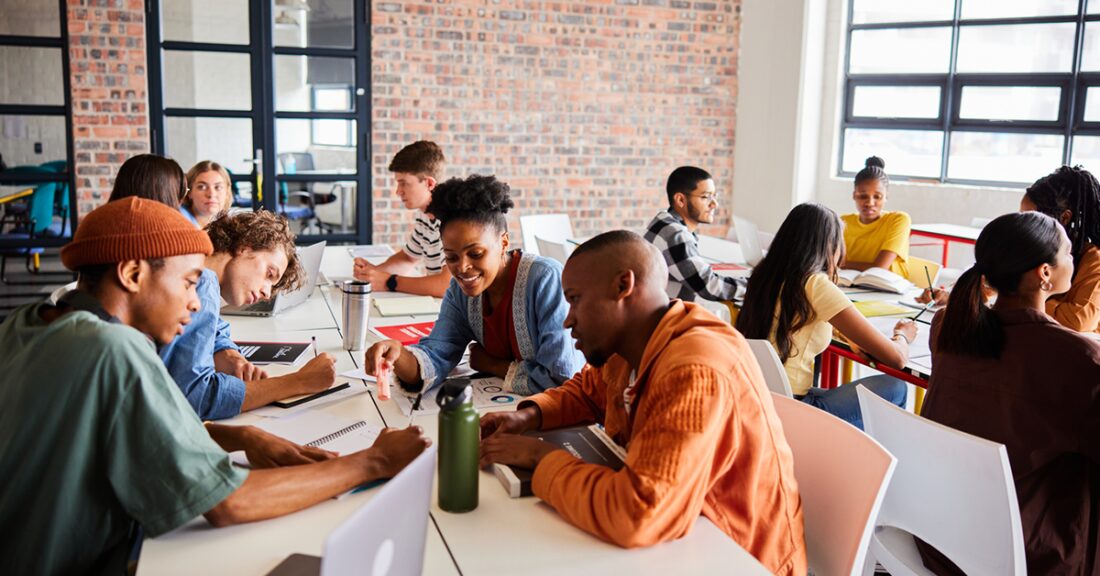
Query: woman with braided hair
(1071, 195)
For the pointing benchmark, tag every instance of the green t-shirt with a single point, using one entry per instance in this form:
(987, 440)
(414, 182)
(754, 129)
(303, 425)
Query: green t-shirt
(94, 436)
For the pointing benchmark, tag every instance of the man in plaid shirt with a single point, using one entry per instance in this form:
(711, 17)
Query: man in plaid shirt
(691, 201)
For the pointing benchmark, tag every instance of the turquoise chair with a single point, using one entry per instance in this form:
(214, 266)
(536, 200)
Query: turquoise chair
(28, 224)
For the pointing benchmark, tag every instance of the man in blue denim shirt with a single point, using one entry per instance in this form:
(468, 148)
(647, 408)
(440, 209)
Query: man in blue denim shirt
(254, 258)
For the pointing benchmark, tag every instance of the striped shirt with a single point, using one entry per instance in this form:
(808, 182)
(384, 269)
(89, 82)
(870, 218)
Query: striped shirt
(689, 275)
(425, 245)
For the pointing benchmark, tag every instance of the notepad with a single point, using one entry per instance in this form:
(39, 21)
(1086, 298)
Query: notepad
(407, 306)
(873, 308)
(321, 430)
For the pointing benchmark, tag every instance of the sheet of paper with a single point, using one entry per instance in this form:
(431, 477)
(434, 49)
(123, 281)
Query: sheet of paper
(372, 251)
(407, 305)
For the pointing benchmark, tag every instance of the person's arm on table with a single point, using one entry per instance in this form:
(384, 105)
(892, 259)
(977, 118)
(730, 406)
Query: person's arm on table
(659, 493)
(275, 492)
(317, 375)
(263, 449)
(581, 399)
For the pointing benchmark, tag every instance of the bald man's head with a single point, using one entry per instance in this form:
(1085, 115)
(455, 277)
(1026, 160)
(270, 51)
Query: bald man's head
(609, 282)
(619, 250)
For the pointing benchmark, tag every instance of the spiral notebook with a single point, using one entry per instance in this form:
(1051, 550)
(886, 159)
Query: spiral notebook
(321, 430)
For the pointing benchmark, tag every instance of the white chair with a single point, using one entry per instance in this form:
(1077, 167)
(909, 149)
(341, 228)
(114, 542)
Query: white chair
(774, 373)
(552, 227)
(842, 476)
(953, 490)
(551, 249)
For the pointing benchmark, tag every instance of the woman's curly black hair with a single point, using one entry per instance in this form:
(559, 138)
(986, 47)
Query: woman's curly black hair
(479, 199)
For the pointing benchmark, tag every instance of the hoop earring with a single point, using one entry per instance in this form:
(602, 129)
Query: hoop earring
(1046, 286)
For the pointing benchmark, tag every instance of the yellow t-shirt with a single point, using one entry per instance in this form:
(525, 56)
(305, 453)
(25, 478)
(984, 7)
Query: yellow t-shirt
(890, 232)
(826, 301)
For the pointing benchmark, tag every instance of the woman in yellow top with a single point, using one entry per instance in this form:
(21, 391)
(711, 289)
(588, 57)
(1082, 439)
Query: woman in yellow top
(874, 237)
(792, 301)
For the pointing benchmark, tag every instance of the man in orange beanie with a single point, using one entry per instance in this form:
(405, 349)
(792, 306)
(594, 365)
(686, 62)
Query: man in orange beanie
(98, 440)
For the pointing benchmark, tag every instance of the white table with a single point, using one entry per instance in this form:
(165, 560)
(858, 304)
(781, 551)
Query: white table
(502, 536)
(948, 233)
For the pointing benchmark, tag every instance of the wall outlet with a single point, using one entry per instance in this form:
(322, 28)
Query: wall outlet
(37, 147)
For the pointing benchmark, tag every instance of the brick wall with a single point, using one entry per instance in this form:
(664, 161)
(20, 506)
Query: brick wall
(582, 106)
(110, 103)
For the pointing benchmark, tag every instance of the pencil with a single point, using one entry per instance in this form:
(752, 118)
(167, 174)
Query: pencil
(415, 407)
(929, 278)
(314, 346)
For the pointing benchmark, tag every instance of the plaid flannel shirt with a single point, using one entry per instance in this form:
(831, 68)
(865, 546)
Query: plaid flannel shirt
(689, 274)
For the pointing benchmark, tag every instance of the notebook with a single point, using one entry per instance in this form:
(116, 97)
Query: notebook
(407, 306)
(288, 353)
(876, 279)
(589, 443)
(320, 430)
(873, 308)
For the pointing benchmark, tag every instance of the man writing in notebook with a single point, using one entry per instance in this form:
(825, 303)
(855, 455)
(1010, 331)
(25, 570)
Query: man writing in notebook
(99, 442)
(692, 200)
(682, 392)
(417, 168)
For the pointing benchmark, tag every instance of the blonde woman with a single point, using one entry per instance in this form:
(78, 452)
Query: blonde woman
(209, 192)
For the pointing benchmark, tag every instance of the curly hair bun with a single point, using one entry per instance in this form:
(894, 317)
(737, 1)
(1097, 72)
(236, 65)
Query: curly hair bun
(476, 197)
(875, 162)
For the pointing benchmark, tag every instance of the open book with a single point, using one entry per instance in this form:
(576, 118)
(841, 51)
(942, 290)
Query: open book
(875, 279)
(589, 443)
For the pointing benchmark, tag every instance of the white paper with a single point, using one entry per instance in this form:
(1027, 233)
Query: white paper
(488, 393)
(355, 389)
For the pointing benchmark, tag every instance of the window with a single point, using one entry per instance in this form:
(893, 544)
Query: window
(975, 91)
(36, 192)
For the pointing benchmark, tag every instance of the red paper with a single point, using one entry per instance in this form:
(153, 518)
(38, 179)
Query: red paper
(406, 333)
(728, 267)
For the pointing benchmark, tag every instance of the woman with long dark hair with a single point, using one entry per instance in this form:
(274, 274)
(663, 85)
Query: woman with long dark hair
(1011, 374)
(793, 301)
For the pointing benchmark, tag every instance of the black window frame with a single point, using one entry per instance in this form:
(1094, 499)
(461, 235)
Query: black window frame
(1073, 84)
(64, 110)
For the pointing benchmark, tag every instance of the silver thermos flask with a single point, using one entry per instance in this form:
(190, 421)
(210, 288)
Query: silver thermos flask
(356, 303)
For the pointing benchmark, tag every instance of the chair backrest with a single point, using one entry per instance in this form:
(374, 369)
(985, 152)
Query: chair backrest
(551, 249)
(917, 267)
(951, 489)
(774, 373)
(842, 476)
(552, 227)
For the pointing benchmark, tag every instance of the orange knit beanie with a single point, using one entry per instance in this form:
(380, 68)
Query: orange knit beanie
(133, 229)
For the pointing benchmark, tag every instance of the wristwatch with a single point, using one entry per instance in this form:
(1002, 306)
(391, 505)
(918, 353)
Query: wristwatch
(391, 283)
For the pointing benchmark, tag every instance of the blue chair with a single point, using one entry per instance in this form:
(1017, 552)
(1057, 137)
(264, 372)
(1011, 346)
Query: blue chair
(32, 223)
(305, 210)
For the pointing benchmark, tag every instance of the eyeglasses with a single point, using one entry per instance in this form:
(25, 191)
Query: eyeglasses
(708, 198)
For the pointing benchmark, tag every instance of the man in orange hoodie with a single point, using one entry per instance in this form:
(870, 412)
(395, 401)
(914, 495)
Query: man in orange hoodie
(677, 387)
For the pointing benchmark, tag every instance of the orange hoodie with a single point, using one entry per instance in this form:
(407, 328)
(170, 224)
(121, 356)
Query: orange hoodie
(702, 436)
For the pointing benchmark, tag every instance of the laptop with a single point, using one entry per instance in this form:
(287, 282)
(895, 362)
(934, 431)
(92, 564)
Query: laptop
(386, 537)
(749, 239)
(310, 257)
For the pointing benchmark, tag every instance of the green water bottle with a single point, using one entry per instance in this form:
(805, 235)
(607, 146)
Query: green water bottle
(459, 437)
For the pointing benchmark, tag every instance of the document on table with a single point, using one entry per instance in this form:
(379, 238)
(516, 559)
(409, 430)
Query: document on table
(407, 305)
(371, 251)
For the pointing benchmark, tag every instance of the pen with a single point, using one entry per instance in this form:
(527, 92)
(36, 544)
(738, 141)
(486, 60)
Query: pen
(926, 308)
(314, 346)
(929, 278)
(415, 407)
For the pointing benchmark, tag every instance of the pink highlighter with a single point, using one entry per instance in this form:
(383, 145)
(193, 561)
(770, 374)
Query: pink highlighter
(383, 378)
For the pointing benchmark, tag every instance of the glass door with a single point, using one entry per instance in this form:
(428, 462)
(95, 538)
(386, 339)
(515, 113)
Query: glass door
(277, 91)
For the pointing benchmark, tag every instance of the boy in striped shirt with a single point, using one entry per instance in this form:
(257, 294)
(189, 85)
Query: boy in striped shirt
(417, 169)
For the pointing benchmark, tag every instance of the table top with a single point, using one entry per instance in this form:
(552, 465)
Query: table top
(955, 231)
(483, 541)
